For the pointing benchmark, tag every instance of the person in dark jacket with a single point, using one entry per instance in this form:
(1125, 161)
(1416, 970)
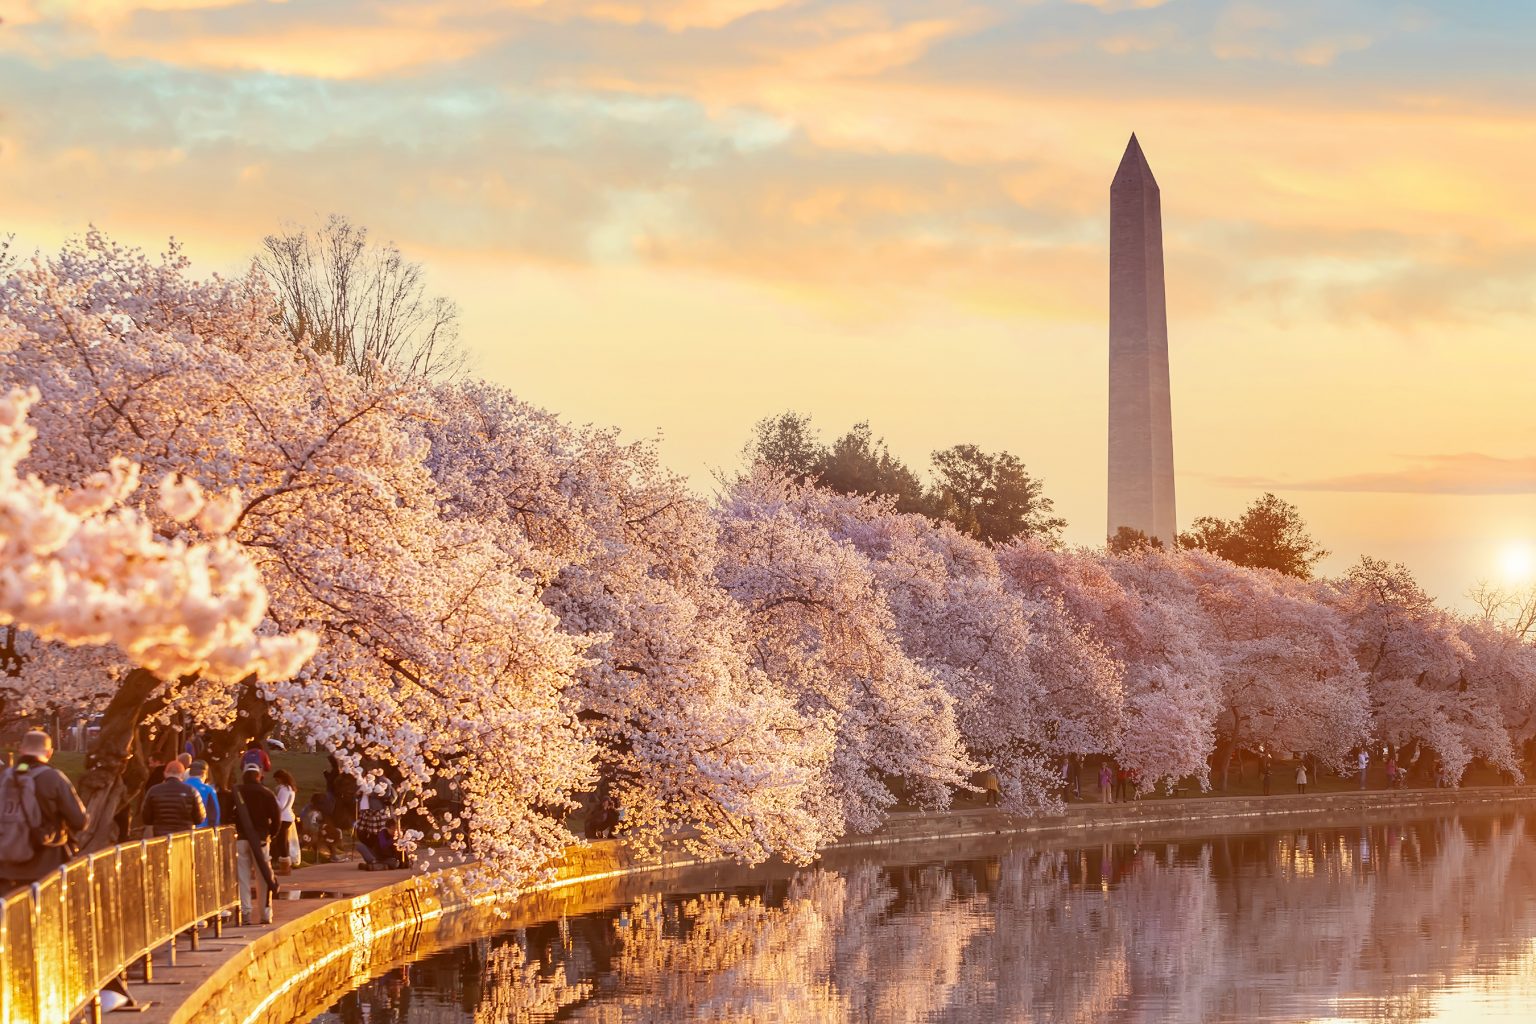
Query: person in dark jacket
(63, 815)
(254, 815)
(172, 805)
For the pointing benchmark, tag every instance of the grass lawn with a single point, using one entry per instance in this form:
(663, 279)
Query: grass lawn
(308, 770)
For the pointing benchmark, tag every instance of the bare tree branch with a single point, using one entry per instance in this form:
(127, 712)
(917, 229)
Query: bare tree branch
(361, 304)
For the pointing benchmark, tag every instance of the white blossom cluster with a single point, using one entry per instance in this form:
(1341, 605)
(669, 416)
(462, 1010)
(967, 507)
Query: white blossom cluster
(77, 568)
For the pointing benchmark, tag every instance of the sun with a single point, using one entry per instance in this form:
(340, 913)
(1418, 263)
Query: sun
(1519, 563)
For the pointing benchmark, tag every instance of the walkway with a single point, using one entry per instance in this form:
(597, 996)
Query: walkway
(304, 890)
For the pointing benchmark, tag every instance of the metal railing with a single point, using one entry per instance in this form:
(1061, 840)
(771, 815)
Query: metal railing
(64, 938)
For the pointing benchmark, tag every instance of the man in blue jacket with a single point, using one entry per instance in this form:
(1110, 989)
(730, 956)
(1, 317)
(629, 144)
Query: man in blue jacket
(197, 778)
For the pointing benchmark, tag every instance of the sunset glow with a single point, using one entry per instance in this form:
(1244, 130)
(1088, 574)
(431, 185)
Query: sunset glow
(803, 196)
(1518, 563)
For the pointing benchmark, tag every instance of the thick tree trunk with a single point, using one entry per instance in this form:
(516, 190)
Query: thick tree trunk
(1231, 745)
(253, 720)
(105, 785)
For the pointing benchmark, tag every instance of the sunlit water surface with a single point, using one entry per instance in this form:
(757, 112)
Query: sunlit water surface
(1428, 921)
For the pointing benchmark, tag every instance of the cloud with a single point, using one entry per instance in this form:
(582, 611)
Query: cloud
(1469, 473)
(1112, 6)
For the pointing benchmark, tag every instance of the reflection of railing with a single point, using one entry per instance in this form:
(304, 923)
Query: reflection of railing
(66, 937)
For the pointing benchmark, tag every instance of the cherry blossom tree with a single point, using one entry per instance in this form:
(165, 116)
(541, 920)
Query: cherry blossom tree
(1141, 610)
(820, 626)
(78, 568)
(1417, 660)
(1289, 680)
(437, 663)
(1030, 684)
(693, 738)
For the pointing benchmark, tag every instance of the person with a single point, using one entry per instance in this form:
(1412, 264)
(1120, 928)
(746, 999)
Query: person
(197, 778)
(1264, 775)
(171, 805)
(40, 815)
(254, 813)
(285, 842)
(317, 831)
(341, 793)
(1364, 761)
(255, 756)
(1392, 771)
(1106, 782)
(1301, 777)
(376, 833)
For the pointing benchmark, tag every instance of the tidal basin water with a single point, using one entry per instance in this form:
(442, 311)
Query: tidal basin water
(1431, 920)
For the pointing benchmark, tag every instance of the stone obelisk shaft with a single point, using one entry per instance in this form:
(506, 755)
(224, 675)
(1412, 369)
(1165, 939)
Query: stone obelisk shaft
(1140, 414)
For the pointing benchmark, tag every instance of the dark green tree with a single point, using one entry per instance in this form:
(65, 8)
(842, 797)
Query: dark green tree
(1270, 535)
(788, 443)
(1128, 539)
(860, 463)
(991, 497)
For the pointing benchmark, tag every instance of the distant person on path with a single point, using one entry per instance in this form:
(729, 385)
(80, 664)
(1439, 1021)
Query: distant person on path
(285, 843)
(197, 778)
(171, 805)
(255, 756)
(1264, 774)
(255, 818)
(40, 815)
(1365, 760)
(1106, 782)
(1301, 777)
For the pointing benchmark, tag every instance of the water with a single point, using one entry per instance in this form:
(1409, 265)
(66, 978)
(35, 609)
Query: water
(1430, 920)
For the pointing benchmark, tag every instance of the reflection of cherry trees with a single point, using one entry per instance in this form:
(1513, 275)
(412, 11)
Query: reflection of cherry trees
(1371, 923)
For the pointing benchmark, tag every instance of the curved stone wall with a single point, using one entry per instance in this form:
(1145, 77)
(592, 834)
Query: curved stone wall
(294, 971)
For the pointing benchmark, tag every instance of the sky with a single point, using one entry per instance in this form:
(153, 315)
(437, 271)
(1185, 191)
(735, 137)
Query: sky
(680, 216)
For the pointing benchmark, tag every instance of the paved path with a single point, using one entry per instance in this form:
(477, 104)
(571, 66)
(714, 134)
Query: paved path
(171, 984)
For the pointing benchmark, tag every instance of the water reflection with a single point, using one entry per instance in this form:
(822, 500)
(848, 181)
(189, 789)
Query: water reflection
(1433, 920)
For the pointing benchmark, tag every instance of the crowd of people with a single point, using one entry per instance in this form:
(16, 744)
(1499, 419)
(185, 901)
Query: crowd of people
(42, 816)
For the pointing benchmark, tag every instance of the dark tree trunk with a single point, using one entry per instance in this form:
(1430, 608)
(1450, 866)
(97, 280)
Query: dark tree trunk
(223, 747)
(106, 783)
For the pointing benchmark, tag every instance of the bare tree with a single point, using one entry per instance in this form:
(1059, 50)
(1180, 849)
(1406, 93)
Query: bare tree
(361, 303)
(1513, 609)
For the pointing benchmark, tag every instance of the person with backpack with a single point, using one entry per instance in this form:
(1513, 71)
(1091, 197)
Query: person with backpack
(40, 814)
(256, 756)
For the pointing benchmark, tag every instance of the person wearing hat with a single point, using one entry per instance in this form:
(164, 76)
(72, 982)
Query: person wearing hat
(197, 778)
(253, 811)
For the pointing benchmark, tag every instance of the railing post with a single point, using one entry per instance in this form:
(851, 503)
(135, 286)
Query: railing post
(149, 951)
(37, 959)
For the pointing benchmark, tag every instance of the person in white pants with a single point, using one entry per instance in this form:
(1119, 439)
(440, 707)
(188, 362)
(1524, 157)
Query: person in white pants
(255, 821)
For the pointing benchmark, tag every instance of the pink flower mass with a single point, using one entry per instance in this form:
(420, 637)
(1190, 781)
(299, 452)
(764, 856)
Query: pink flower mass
(445, 580)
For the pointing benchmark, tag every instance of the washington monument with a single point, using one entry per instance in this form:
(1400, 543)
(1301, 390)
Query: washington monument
(1140, 417)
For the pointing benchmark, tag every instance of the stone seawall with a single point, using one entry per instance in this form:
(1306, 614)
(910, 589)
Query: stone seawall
(289, 974)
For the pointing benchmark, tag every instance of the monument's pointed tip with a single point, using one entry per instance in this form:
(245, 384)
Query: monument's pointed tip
(1134, 162)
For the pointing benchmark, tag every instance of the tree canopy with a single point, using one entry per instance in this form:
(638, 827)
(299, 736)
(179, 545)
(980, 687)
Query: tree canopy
(1270, 534)
(989, 496)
